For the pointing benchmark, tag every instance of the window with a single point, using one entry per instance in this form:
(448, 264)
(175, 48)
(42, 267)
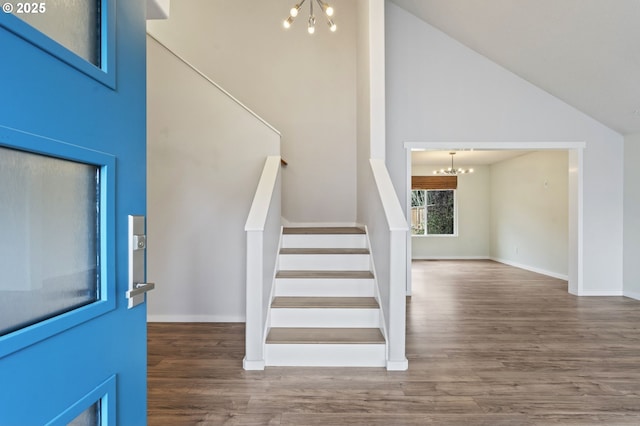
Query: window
(433, 212)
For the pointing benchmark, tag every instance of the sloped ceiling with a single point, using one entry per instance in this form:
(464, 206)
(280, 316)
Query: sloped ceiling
(585, 52)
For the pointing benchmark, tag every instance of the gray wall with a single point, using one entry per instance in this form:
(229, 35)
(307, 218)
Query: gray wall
(529, 212)
(205, 157)
(439, 90)
(303, 85)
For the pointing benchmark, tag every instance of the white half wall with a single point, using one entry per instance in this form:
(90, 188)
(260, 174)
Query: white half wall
(529, 212)
(205, 156)
(438, 90)
(632, 216)
(473, 198)
(303, 85)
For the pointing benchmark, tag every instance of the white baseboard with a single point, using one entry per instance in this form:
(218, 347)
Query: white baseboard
(632, 295)
(532, 269)
(450, 258)
(601, 293)
(194, 318)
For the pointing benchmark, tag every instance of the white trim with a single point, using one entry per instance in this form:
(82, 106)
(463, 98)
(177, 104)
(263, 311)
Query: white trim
(407, 203)
(601, 293)
(632, 295)
(452, 258)
(495, 146)
(576, 190)
(531, 268)
(195, 318)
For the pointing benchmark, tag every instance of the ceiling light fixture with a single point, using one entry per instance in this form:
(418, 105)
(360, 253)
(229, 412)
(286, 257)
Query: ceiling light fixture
(311, 27)
(452, 171)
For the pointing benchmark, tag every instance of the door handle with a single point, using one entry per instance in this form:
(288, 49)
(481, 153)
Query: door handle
(138, 286)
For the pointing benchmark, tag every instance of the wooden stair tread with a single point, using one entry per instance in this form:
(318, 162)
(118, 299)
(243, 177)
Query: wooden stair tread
(324, 251)
(325, 274)
(323, 230)
(285, 335)
(325, 302)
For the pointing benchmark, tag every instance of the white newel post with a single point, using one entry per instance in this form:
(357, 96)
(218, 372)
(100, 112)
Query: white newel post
(254, 348)
(397, 300)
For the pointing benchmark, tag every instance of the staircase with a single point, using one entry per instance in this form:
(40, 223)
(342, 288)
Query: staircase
(324, 311)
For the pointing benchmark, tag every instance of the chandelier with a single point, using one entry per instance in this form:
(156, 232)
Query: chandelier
(311, 28)
(452, 171)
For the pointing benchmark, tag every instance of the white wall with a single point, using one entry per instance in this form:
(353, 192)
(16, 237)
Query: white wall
(529, 212)
(303, 85)
(473, 204)
(439, 90)
(632, 216)
(205, 156)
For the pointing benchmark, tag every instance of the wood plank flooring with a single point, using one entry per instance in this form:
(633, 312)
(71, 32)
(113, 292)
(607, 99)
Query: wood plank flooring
(325, 302)
(325, 335)
(296, 250)
(487, 344)
(325, 274)
(323, 230)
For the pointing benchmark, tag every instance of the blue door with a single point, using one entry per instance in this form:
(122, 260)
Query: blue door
(72, 171)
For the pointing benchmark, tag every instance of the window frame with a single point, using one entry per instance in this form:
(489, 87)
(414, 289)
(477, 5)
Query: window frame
(106, 302)
(105, 73)
(455, 214)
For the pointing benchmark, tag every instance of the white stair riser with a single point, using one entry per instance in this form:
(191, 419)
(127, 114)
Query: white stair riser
(328, 355)
(300, 287)
(325, 317)
(325, 262)
(324, 241)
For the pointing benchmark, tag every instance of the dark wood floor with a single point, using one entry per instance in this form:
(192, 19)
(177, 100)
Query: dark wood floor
(487, 345)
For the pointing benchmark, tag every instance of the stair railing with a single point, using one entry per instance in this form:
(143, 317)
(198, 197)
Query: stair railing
(388, 236)
(263, 229)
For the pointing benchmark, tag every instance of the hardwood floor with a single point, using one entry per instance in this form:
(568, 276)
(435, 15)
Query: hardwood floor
(487, 344)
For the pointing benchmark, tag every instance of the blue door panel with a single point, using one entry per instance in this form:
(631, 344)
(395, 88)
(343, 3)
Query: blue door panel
(43, 97)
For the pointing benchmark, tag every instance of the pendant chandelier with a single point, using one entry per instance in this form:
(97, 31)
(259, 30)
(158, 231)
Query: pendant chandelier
(327, 10)
(452, 171)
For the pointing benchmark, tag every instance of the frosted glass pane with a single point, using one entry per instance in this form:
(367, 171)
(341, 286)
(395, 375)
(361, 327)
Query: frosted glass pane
(75, 24)
(48, 237)
(89, 417)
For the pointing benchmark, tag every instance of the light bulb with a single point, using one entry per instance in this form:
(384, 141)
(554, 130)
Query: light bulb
(294, 10)
(470, 170)
(312, 25)
(328, 10)
(332, 26)
(287, 22)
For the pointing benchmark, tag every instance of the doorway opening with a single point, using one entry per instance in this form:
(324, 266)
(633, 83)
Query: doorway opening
(574, 182)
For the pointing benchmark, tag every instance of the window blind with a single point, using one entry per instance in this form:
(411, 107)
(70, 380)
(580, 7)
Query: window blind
(434, 182)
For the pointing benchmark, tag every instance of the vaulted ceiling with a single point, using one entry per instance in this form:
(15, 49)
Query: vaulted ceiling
(584, 52)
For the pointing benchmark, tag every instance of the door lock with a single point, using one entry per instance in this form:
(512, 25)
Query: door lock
(137, 262)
